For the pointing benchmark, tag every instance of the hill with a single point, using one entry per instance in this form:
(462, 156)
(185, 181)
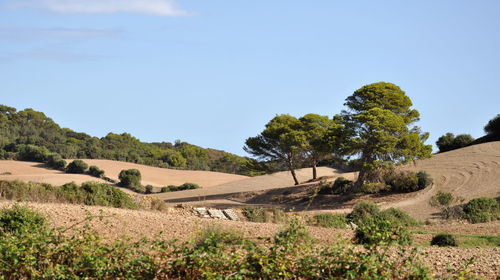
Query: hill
(18, 129)
(158, 177)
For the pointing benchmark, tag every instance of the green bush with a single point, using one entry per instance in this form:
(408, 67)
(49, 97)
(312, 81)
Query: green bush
(449, 142)
(482, 210)
(148, 189)
(130, 178)
(164, 189)
(363, 210)
(441, 199)
(77, 167)
(183, 187)
(89, 193)
(56, 161)
(493, 126)
(424, 180)
(378, 230)
(96, 171)
(329, 220)
(399, 217)
(19, 220)
(32, 153)
(341, 185)
(444, 240)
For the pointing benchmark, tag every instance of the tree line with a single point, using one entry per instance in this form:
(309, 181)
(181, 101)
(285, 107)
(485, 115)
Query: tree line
(22, 132)
(375, 130)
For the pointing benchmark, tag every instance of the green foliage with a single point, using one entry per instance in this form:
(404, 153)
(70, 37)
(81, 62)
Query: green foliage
(174, 159)
(183, 187)
(329, 220)
(130, 178)
(148, 189)
(56, 161)
(441, 199)
(402, 181)
(19, 220)
(444, 240)
(449, 142)
(378, 230)
(89, 193)
(378, 120)
(215, 254)
(32, 153)
(264, 215)
(397, 216)
(362, 210)
(77, 166)
(493, 126)
(282, 140)
(424, 180)
(482, 210)
(96, 171)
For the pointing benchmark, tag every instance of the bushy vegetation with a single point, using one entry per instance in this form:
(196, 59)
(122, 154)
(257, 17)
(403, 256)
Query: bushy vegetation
(362, 211)
(264, 215)
(30, 135)
(20, 220)
(77, 167)
(441, 199)
(329, 220)
(444, 240)
(89, 193)
(130, 178)
(55, 161)
(185, 186)
(482, 210)
(39, 252)
(96, 171)
(449, 142)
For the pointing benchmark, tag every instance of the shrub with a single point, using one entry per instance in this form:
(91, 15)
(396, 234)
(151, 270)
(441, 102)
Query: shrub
(164, 189)
(341, 185)
(96, 171)
(399, 217)
(424, 180)
(378, 230)
(106, 195)
(493, 126)
(32, 153)
(77, 167)
(56, 161)
(19, 220)
(185, 186)
(148, 189)
(372, 188)
(363, 210)
(402, 181)
(441, 199)
(130, 178)
(444, 240)
(482, 210)
(449, 142)
(329, 220)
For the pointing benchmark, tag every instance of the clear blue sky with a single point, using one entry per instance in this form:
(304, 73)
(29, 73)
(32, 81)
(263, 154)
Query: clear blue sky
(213, 73)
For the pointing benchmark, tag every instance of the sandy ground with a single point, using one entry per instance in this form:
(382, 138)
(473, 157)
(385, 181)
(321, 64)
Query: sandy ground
(265, 182)
(158, 177)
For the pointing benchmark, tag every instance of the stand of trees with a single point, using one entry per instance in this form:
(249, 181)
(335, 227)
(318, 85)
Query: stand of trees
(32, 136)
(376, 129)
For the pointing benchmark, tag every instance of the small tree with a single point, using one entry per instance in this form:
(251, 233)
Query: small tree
(56, 161)
(130, 178)
(449, 142)
(282, 140)
(77, 166)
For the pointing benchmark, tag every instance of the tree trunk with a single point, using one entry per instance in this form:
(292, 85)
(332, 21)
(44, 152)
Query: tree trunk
(360, 181)
(315, 172)
(292, 170)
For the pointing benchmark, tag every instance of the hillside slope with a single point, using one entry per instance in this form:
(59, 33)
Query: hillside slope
(37, 172)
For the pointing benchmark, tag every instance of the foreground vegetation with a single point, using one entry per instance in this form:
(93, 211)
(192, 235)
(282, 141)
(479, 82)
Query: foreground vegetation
(477, 210)
(30, 249)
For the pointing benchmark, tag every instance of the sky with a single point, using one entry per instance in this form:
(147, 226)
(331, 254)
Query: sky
(213, 73)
